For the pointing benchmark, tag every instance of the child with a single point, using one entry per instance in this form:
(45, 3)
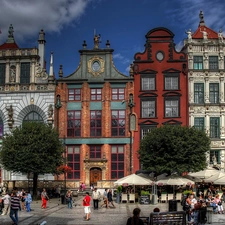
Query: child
(220, 207)
(28, 200)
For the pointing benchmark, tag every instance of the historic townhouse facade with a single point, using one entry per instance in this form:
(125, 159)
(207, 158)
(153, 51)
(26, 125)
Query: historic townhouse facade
(26, 91)
(92, 110)
(160, 81)
(206, 71)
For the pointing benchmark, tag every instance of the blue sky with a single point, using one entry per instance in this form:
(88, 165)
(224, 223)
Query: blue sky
(123, 22)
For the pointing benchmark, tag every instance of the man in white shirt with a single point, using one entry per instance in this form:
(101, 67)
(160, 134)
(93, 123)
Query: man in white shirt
(95, 196)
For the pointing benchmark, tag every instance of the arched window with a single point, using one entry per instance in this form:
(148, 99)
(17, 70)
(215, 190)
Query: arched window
(33, 116)
(1, 128)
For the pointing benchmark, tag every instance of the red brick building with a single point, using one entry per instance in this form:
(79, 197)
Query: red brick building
(161, 90)
(92, 114)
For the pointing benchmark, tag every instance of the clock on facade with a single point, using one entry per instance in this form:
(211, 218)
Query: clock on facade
(159, 55)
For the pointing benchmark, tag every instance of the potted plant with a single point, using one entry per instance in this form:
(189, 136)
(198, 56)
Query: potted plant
(145, 197)
(118, 193)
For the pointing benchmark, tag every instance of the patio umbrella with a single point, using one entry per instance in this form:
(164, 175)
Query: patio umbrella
(206, 173)
(175, 180)
(215, 177)
(133, 179)
(146, 176)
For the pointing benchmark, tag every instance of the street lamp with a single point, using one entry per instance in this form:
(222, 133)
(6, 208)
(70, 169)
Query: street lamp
(131, 104)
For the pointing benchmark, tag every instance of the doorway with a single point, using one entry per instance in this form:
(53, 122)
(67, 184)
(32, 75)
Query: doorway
(95, 175)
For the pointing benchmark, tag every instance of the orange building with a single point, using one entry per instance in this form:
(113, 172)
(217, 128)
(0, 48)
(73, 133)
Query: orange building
(93, 107)
(161, 90)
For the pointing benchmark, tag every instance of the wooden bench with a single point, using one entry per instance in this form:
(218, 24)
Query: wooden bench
(164, 218)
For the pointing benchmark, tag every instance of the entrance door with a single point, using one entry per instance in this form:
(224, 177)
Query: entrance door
(95, 175)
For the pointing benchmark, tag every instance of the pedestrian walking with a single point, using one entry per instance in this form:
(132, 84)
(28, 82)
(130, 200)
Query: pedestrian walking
(69, 199)
(87, 209)
(105, 199)
(6, 201)
(28, 200)
(96, 196)
(14, 208)
(22, 196)
(110, 199)
(44, 198)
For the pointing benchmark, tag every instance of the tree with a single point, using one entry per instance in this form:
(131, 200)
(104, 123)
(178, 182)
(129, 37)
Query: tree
(32, 148)
(174, 149)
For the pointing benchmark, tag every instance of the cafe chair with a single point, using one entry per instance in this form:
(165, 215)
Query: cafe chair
(124, 198)
(132, 198)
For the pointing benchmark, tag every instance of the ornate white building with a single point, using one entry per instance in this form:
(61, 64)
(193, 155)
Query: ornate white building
(26, 90)
(206, 72)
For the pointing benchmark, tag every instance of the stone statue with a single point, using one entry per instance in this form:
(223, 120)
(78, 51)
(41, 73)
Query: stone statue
(10, 112)
(96, 41)
(10, 31)
(205, 35)
(12, 74)
(220, 36)
(50, 111)
(201, 16)
(189, 34)
(214, 160)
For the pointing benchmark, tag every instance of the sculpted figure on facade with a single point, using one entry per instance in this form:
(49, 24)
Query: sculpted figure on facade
(40, 72)
(12, 74)
(96, 40)
(214, 160)
(204, 35)
(220, 35)
(189, 34)
(10, 31)
(50, 111)
(10, 112)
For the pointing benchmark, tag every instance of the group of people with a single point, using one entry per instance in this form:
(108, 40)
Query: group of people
(96, 196)
(196, 209)
(15, 201)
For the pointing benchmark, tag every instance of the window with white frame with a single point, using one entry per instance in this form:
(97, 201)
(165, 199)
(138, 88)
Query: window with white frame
(172, 107)
(171, 82)
(145, 129)
(148, 108)
(148, 82)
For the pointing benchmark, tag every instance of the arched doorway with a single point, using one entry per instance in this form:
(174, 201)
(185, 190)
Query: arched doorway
(95, 175)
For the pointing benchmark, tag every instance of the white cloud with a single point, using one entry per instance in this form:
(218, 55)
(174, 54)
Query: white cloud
(121, 58)
(187, 13)
(29, 17)
(179, 46)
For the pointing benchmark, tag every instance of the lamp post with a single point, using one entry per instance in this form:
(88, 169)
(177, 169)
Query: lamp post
(131, 104)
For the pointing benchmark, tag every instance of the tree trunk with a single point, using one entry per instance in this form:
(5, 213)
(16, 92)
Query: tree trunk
(35, 179)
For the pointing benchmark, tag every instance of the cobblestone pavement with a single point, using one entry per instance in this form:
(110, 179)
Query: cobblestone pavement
(58, 214)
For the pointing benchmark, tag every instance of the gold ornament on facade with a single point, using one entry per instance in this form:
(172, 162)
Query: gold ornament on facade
(96, 66)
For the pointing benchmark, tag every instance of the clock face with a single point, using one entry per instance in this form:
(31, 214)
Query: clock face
(159, 56)
(96, 66)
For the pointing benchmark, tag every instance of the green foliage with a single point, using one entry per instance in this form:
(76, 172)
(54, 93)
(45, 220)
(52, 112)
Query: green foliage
(33, 147)
(174, 149)
(119, 189)
(144, 193)
(187, 192)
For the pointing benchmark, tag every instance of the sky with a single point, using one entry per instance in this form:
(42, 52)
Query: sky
(67, 23)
